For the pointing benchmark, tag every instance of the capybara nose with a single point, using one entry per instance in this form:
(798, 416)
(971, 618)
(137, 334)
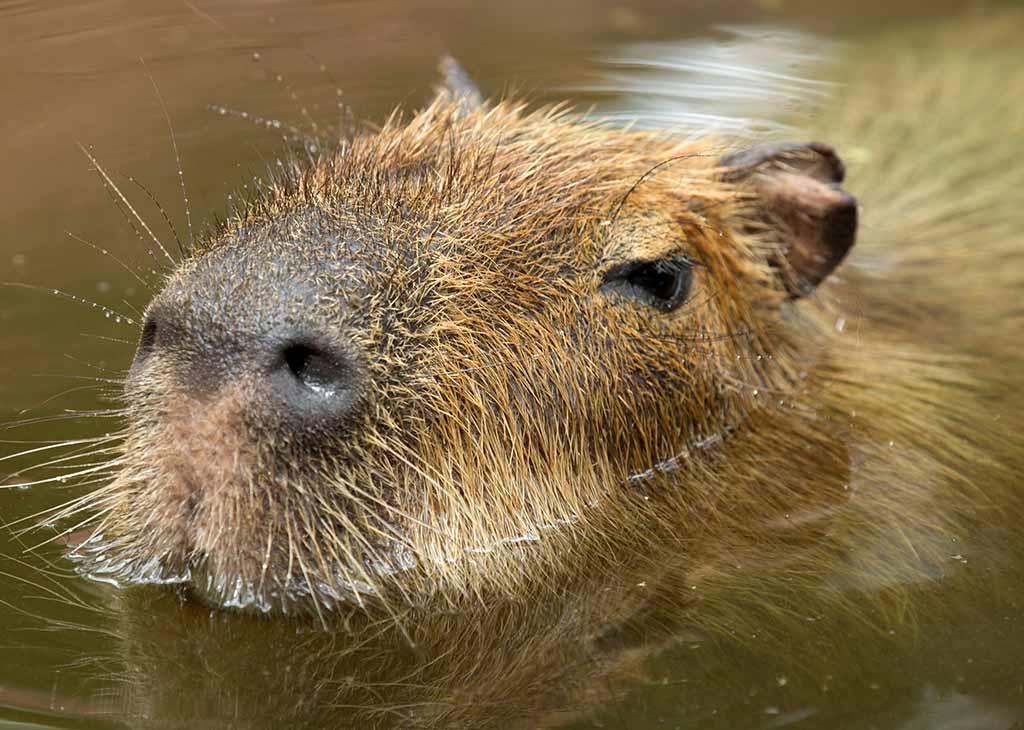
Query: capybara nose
(291, 373)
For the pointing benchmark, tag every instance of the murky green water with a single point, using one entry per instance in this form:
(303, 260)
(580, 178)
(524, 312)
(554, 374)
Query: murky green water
(75, 654)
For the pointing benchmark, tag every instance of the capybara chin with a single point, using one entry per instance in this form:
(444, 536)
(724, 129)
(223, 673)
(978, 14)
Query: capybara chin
(473, 351)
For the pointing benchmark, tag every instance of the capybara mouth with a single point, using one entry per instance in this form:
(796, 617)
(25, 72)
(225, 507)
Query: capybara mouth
(265, 589)
(228, 523)
(192, 548)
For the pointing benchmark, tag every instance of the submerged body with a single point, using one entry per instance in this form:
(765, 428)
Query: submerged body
(474, 351)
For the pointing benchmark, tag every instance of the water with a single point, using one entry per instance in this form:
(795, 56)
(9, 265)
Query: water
(236, 78)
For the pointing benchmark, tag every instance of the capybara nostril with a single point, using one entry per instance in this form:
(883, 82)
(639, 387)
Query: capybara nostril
(318, 370)
(314, 379)
(147, 341)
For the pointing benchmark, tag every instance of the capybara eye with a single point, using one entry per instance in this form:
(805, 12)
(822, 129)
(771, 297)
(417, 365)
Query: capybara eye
(663, 284)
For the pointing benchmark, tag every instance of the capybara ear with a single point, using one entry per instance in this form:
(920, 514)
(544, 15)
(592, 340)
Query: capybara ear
(799, 198)
(456, 85)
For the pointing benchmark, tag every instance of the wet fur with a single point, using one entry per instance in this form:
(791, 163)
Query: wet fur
(509, 398)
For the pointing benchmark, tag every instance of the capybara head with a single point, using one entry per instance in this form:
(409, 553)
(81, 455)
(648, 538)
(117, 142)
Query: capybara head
(425, 360)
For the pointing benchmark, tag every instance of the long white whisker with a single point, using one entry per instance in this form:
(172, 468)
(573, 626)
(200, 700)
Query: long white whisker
(145, 226)
(177, 158)
(69, 477)
(59, 444)
(55, 463)
(68, 531)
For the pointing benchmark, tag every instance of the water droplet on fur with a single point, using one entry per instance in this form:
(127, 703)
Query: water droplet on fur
(256, 56)
(840, 324)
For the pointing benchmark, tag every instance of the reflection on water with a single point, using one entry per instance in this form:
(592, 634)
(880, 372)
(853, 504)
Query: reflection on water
(648, 641)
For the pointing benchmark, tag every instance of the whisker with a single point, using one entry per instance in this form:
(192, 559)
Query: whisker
(111, 381)
(293, 95)
(163, 211)
(92, 366)
(106, 338)
(54, 445)
(344, 111)
(48, 519)
(107, 311)
(67, 415)
(145, 226)
(74, 528)
(294, 134)
(57, 464)
(50, 570)
(61, 463)
(105, 252)
(138, 312)
(210, 19)
(309, 582)
(67, 509)
(65, 478)
(181, 173)
(50, 399)
(68, 599)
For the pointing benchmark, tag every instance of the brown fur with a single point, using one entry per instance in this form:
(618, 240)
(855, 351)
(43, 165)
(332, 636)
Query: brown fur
(510, 400)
